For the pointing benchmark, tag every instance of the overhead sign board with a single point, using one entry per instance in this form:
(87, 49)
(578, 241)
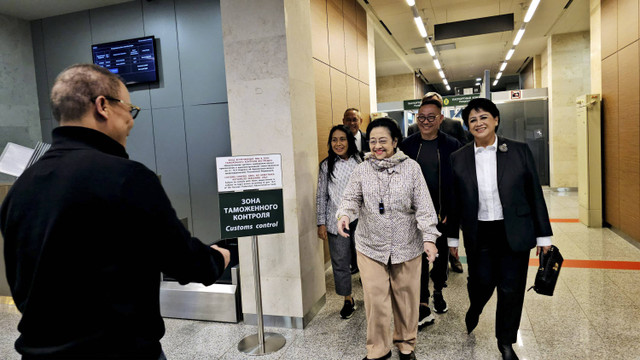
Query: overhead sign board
(412, 104)
(458, 100)
(250, 194)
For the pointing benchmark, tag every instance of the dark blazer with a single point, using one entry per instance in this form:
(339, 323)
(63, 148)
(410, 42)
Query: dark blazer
(364, 142)
(455, 129)
(446, 146)
(523, 205)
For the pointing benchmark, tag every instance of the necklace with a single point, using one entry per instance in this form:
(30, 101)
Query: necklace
(386, 190)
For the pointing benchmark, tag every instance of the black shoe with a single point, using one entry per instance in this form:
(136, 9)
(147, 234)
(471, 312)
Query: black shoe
(507, 351)
(426, 317)
(456, 265)
(471, 320)
(439, 305)
(409, 356)
(348, 309)
(380, 358)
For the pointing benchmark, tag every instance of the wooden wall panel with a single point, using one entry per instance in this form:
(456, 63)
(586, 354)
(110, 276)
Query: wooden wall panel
(335, 20)
(365, 105)
(353, 93)
(363, 46)
(321, 73)
(609, 27)
(319, 32)
(350, 37)
(629, 135)
(627, 22)
(338, 95)
(610, 140)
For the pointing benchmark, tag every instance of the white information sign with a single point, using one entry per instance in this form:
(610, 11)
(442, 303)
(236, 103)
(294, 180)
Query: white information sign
(254, 172)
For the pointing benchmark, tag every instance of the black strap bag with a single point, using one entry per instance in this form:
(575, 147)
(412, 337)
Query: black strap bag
(548, 272)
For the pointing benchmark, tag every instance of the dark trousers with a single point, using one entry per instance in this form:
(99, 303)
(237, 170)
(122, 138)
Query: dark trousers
(495, 265)
(439, 271)
(340, 252)
(352, 233)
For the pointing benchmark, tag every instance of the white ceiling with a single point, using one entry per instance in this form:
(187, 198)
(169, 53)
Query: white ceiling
(38, 9)
(473, 54)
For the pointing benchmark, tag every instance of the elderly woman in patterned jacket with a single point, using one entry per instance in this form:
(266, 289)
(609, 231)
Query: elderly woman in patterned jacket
(397, 224)
(333, 176)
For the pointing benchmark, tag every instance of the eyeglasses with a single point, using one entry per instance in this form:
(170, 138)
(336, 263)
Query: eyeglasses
(134, 110)
(430, 118)
(382, 141)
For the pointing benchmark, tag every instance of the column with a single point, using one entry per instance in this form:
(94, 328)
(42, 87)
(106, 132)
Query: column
(270, 83)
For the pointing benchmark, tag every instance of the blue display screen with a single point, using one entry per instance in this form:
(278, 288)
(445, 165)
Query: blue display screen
(133, 59)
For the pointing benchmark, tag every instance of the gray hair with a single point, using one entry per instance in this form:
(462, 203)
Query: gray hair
(79, 84)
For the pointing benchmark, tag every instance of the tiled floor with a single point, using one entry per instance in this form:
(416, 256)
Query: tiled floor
(594, 313)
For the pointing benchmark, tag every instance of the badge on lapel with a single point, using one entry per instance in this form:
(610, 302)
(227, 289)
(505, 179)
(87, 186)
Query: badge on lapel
(503, 148)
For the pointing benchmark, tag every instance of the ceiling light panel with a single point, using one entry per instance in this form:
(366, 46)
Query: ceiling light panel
(420, 25)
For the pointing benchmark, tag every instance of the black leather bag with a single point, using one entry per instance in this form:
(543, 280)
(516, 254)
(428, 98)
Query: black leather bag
(548, 271)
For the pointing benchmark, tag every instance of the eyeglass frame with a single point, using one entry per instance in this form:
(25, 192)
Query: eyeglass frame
(373, 142)
(426, 118)
(133, 110)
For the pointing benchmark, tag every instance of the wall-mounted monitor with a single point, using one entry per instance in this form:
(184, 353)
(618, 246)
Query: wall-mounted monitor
(133, 59)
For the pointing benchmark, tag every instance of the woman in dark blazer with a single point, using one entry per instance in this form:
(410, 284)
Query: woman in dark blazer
(503, 215)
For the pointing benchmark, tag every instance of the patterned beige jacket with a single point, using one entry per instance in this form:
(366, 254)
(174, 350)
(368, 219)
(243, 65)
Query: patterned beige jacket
(408, 218)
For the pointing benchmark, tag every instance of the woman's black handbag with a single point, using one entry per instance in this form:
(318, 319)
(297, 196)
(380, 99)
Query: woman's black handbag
(547, 276)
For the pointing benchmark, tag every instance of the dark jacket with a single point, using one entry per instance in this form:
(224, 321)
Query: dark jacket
(446, 146)
(365, 143)
(523, 205)
(87, 233)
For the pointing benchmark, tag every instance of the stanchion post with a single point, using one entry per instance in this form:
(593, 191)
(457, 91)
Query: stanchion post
(256, 276)
(259, 344)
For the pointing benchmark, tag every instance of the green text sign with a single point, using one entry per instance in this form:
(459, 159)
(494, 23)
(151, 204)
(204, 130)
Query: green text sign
(250, 213)
(458, 100)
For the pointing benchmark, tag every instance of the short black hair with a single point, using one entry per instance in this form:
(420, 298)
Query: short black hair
(478, 104)
(388, 123)
(431, 101)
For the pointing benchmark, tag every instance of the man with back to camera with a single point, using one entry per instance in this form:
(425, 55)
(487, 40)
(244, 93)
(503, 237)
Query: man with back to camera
(88, 232)
(432, 149)
(452, 128)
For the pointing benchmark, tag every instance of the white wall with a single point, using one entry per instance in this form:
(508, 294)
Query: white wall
(19, 113)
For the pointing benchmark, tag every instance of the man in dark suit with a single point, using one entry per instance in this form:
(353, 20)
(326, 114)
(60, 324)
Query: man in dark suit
(502, 212)
(352, 119)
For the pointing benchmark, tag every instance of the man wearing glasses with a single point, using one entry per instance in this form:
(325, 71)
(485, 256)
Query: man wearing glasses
(452, 128)
(432, 148)
(88, 232)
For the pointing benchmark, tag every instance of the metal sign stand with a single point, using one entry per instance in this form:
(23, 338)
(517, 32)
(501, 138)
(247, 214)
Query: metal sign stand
(260, 343)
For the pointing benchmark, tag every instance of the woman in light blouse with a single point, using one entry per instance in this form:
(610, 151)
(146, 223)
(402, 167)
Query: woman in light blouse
(397, 224)
(333, 176)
